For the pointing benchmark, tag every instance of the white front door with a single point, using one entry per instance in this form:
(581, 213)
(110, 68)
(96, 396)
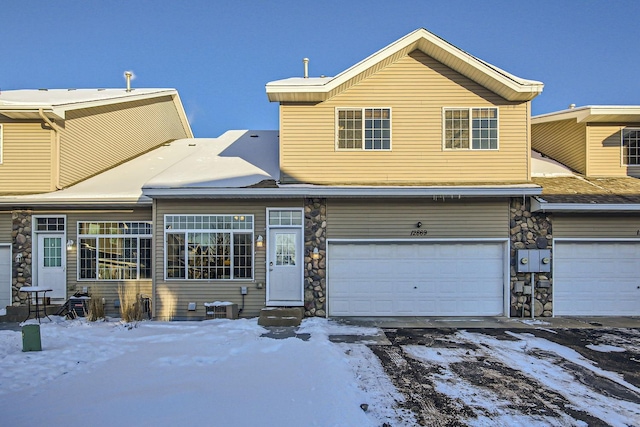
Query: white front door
(5, 276)
(284, 265)
(52, 264)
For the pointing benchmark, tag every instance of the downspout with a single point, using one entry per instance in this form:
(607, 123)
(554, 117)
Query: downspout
(56, 163)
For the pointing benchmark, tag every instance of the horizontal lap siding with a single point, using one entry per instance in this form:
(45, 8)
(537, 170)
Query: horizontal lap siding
(26, 158)
(395, 219)
(416, 88)
(563, 141)
(596, 226)
(6, 226)
(101, 289)
(605, 151)
(96, 139)
(173, 296)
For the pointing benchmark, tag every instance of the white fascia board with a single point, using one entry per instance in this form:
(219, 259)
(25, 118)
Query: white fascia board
(540, 205)
(588, 113)
(367, 192)
(85, 203)
(48, 111)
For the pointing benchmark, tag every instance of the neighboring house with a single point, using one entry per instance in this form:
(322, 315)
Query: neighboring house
(53, 139)
(596, 212)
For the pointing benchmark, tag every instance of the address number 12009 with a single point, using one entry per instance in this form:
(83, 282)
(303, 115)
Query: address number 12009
(418, 233)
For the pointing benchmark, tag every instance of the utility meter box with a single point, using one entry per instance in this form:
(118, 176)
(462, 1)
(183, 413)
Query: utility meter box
(533, 260)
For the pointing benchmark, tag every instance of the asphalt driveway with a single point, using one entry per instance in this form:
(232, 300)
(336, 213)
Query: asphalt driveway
(535, 376)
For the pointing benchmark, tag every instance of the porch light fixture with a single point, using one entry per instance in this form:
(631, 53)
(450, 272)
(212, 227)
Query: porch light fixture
(259, 241)
(69, 244)
(315, 254)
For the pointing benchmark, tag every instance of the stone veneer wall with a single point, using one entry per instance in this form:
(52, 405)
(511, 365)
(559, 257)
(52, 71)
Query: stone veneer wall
(529, 231)
(315, 233)
(22, 245)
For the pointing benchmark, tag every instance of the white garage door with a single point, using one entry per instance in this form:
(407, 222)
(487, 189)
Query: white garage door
(596, 278)
(416, 279)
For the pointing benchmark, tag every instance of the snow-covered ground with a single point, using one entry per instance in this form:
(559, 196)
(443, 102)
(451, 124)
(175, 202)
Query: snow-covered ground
(223, 372)
(216, 372)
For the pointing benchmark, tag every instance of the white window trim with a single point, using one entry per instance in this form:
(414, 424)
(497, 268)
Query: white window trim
(99, 236)
(470, 109)
(231, 253)
(337, 130)
(623, 158)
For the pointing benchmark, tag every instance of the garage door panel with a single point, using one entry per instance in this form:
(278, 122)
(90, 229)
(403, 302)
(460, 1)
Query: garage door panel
(596, 278)
(422, 279)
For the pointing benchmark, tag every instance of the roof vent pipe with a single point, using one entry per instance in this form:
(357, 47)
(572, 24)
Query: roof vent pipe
(128, 75)
(572, 106)
(305, 61)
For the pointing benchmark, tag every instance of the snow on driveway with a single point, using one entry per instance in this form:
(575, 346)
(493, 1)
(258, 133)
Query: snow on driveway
(222, 372)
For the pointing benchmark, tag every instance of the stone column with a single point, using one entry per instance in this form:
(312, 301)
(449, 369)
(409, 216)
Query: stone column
(22, 249)
(315, 231)
(529, 231)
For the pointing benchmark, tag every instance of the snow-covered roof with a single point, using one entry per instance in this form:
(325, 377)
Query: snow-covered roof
(593, 113)
(544, 167)
(25, 103)
(236, 158)
(318, 89)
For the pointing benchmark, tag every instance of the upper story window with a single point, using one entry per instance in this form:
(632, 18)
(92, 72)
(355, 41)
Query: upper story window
(114, 250)
(209, 247)
(631, 146)
(470, 128)
(363, 128)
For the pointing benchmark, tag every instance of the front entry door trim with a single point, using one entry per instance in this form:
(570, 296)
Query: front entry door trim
(285, 257)
(50, 254)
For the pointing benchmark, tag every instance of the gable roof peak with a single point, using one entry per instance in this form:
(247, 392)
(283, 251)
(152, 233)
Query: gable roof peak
(507, 85)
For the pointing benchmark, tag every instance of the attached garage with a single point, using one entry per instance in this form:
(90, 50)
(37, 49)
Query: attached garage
(596, 278)
(425, 278)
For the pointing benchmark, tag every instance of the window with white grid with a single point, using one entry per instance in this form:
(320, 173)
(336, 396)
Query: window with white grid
(470, 128)
(631, 146)
(114, 250)
(363, 128)
(209, 247)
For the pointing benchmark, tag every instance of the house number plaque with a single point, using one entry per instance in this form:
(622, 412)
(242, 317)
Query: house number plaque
(418, 233)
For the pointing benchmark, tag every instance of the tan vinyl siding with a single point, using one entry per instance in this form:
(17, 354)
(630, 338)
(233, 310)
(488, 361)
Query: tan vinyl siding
(104, 289)
(395, 219)
(605, 151)
(6, 226)
(596, 226)
(96, 139)
(26, 158)
(173, 296)
(415, 88)
(563, 141)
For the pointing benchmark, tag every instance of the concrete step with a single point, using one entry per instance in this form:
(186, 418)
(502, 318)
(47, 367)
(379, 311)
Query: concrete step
(19, 314)
(280, 316)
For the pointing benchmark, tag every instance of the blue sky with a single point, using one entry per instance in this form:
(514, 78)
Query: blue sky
(220, 54)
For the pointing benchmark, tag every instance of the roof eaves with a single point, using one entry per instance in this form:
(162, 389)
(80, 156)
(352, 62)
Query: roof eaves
(539, 204)
(328, 191)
